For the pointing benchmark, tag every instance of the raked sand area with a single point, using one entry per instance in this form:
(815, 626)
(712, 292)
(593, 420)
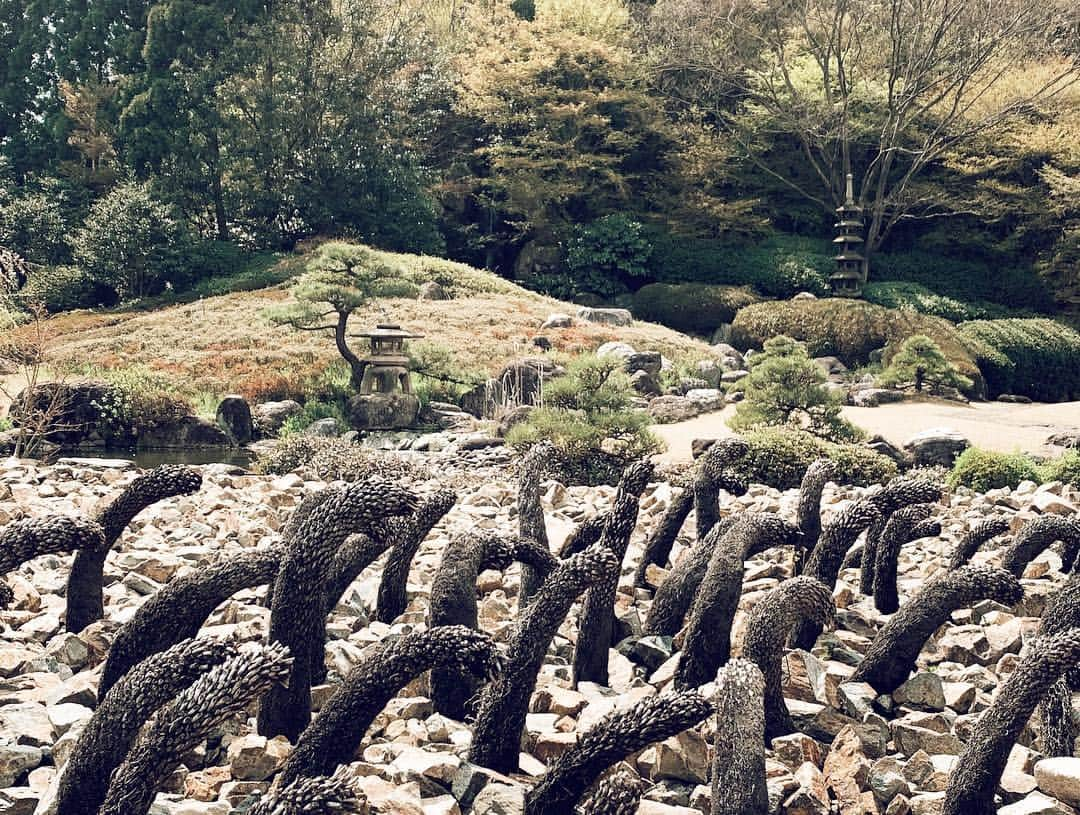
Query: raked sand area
(989, 425)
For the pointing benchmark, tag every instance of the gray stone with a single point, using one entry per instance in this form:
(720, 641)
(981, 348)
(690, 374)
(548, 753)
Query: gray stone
(648, 361)
(186, 432)
(29, 722)
(327, 428)
(923, 691)
(431, 290)
(16, 759)
(873, 397)
(938, 446)
(731, 377)
(606, 316)
(1036, 804)
(557, 320)
(669, 409)
(616, 349)
(1060, 777)
(383, 411)
(19, 801)
(234, 417)
(270, 416)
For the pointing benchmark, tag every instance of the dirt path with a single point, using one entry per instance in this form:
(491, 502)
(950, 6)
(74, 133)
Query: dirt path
(990, 425)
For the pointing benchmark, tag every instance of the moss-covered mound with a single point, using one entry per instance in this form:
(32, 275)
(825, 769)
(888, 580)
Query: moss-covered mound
(1038, 358)
(850, 330)
(693, 308)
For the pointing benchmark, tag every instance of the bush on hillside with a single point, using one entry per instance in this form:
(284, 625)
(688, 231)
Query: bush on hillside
(1065, 467)
(849, 330)
(33, 225)
(918, 298)
(693, 308)
(785, 387)
(608, 256)
(1038, 358)
(779, 457)
(63, 288)
(983, 470)
(921, 362)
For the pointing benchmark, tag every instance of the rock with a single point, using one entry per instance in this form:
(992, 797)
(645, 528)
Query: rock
(927, 803)
(669, 409)
(796, 749)
(846, 771)
(710, 371)
(18, 801)
(873, 397)
(499, 799)
(923, 691)
(684, 757)
(831, 365)
(731, 377)
(1066, 438)
(707, 400)
(606, 316)
(268, 417)
(80, 418)
(383, 411)
(616, 349)
(513, 417)
(910, 739)
(1060, 777)
(557, 320)
(16, 759)
(647, 361)
(1014, 398)
(886, 779)
(327, 428)
(233, 415)
(187, 432)
(1036, 804)
(938, 446)
(1050, 504)
(431, 290)
(29, 722)
(256, 758)
(66, 715)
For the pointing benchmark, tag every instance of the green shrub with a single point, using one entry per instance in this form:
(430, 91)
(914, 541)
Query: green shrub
(918, 298)
(312, 412)
(983, 470)
(1038, 358)
(919, 360)
(138, 401)
(33, 225)
(63, 288)
(1065, 467)
(779, 457)
(437, 377)
(693, 308)
(607, 256)
(785, 387)
(849, 329)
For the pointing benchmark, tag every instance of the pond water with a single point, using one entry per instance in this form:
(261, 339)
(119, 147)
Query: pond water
(147, 459)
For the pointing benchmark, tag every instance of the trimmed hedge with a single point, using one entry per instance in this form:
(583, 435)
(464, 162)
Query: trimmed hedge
(1038, 358)
(850, 330)
(693, 308)
(983, 470)
(779, 457)
(917, 298)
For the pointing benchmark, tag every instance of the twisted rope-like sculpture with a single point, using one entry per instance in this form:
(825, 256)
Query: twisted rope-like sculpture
(616, 793)
(613, 738)
(976, 536)
(982, 761)
(707, 645)
(337, 731)
(659, 543)
(893, 652)
(453, 602)
(29, 538)
(584, 535)
(808, 512)
(596, 625)
(179, 609)
(406, 536)
(828, 556)
(900, 492)
(84, 587)
(110, 732)
(322, 795)
(738, 777)
(767, 629)
(676, 594)
(712, 474)
(183, 723)
(905, 525)
(504, 703)
(297, 616)
(535, 465)
(1059, 729)
(1036, 535)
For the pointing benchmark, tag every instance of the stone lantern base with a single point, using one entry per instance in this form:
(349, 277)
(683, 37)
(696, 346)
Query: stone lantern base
(383, 411)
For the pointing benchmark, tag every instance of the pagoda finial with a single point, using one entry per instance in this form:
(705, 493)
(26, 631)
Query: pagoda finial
(850, 192)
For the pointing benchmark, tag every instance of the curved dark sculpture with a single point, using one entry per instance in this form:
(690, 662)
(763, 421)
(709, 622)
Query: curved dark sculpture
(1059, 729)
(904, 526)
(676, 594)
(738, 776)
(504, 703)
(982, 761)
(321, 795)
(453, 602)
(713, 473)
(616, 793)
(337, 731)
(406, 536)
(1035, 536)
(29, 538)
(892, 654)
(183, 723)
(865, 556)
(658, 546)
(84, 586)
(707, 645)
(612, 739)
(584, 535)
(110, 732)
(808, 512)
(179, 609)
(976, 536)
(297, 616)
(828, 556)
(767, 628)
(596, 624)
(917, 488)
(535, 464)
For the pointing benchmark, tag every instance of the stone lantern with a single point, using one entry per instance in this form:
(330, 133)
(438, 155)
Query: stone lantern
(386, 400)
(850, 274)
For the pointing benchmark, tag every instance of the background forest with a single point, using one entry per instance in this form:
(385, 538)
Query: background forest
(583, 148)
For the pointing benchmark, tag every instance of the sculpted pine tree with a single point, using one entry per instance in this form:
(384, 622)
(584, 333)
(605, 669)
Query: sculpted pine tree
(1059, 728)
(584, 535)
(916, 488)
(676, 594)
(738, 770)
(179, 609)
(808, 513)
(406, 535)
(892, 654)
(610, 740)
(1036, 535)
(504, 703)
(979, 534)
(109, 734)
(828, 556)
(535, 465)
(767, 628)
(596, 625)
(904, 526)
(453, 602)
(659, 543)
(713, 473)
(616, 793)
(321, 795)
(982, 761)
(337, 731)
(29, 538)
(297, 616)
(707, 644)
(181, 725)
(84, 587)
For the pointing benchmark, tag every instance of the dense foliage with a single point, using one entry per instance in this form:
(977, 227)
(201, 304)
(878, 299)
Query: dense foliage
(920, 362)
(1038, 358)
(693, 308)
(779, 456)
(983, 470)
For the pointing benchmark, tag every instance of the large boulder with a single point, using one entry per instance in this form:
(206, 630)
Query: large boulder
(234, 417)
(270, 416)
(76, 409)
(606, 316)
(936, 446)
(519, 383)
(185, 432)
(383, 411)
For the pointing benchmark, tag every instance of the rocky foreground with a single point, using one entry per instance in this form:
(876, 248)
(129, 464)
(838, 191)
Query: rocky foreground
(857, 752)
